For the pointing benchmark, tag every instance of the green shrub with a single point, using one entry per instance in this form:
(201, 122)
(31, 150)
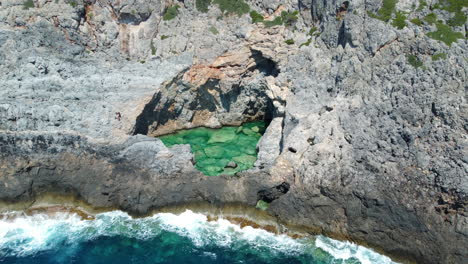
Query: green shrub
(307, 43)
(414, 61)
(275, 22)
(399, 21)
(262, 205)
(439, 56)
(239, 7)
(458, 19)
(453, 5)
(286, 18)
(153, 48)
(422, 5)
(445, 34)
(289, 41)
(431, 18)
(416, 21)
(256, 17)
(313, 31)
(28, 4)
(386, 11)
(171, 13)
(289, 18)
(213, 30)
(203, 5)
(163, 37)
(73, 3)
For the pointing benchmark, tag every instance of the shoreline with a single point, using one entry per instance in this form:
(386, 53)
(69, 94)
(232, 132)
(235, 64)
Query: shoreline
(236, 213)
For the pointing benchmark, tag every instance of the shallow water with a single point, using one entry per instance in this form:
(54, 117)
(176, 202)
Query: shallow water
(214, 149)
(115, 237)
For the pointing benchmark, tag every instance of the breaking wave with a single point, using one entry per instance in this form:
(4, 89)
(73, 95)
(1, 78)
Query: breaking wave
(115, 237)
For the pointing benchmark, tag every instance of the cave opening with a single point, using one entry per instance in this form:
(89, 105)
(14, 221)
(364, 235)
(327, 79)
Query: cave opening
(221, 119)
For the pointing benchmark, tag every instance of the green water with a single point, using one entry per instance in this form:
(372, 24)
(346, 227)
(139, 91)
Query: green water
(215, 149)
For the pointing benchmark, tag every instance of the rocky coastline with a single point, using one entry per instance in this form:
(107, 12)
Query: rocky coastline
(367, 118)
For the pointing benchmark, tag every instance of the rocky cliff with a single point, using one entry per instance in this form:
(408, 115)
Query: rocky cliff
(366, 104)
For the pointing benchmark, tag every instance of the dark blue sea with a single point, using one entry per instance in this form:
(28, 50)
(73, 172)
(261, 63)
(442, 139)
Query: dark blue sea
(117, 238)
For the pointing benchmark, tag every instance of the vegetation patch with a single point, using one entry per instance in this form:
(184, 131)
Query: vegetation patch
(289, 41)
(203, 5)
(239, 7)
(256, 17)
(213, 30)
(414, 61)
(163, 37)
(417, 21)
(171, 13)
(445, 34)
(313, 32)
(458, 19)
(422, 5)
(286, 18)
(153, 48)
(386, 11)
(262, 205)
(289, 18)
(439, 56)
(431, 18)
(275, 22)
(307, 43)
(454, 6)
(399, 21)
(28, 4)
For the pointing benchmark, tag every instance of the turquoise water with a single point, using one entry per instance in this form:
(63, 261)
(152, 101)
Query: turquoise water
(115, 237)
(214, 149)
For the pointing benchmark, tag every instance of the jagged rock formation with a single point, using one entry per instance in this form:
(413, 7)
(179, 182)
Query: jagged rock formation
(368, 121)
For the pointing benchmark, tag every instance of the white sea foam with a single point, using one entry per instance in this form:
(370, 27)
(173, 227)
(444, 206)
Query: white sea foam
(27, 235)
(346, 250)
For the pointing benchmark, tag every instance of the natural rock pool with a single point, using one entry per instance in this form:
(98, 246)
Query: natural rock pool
(226, 150)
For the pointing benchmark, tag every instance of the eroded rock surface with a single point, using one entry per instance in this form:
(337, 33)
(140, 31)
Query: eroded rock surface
(371, 144)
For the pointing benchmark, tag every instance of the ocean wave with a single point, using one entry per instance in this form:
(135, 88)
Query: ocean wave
(28, 235)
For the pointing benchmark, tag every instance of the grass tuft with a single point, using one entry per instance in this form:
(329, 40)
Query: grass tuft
(417, 21)
(422, 5)
(431, 18)
(256, 17)
(28, 4)
(262, 205)
(239, 7)
(458, 19)
(307, 43)
(203, 5)
(414, 61)
(399, 21)
(445, 34)
(386, 11)
(289, 41)
(286, 18)
(153, 48)
(171, 13)
(439, 56)
(289, 18)
(213, 30)
(275, 22)
(313, 31)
